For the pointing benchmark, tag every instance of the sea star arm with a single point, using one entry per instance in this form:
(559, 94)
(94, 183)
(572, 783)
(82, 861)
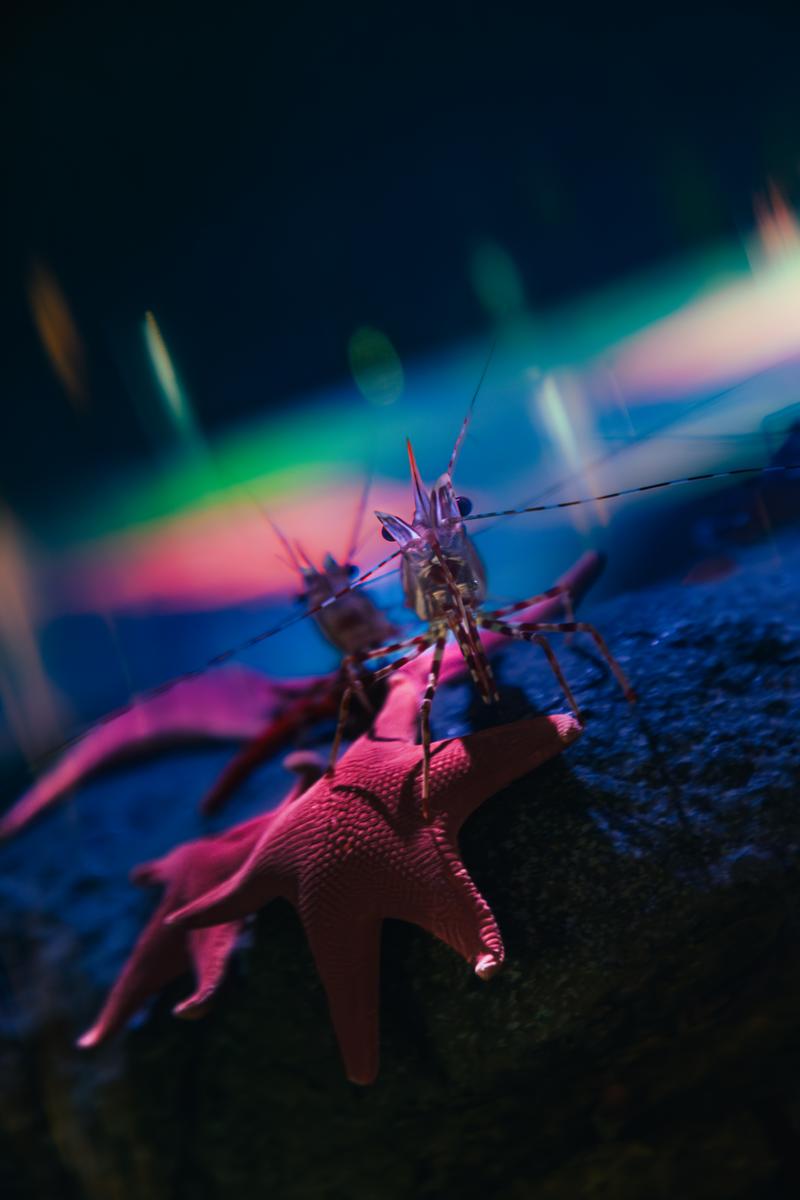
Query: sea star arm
(158, 958)
(258, 880)
(346, 950)
(347, 957)
(452, 909)
(398, 719)
(229, 703)
(466, 770)
(479, 763)
(210, 951)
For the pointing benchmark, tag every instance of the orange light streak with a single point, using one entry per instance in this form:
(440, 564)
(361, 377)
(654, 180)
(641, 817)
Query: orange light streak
(32, 706)
(58, 332)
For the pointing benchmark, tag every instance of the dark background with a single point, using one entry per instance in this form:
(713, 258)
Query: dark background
(269, 177)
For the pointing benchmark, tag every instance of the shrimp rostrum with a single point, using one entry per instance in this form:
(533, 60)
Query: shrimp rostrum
(444, 582)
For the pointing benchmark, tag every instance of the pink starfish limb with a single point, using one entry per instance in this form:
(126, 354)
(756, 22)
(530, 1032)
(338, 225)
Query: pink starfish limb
(356, 849)
(229, 703)
(163, 953)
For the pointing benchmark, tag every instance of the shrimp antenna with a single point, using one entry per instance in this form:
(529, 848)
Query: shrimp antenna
(644, 436)
(309, 564)
(355, 535)
(284, 541)
(647, 487)
(293, 562)
(465, 423)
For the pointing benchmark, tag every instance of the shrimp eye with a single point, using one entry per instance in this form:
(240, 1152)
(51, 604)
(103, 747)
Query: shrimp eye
(387, 537)
(464, 505)
(352, 570)
(301, 598)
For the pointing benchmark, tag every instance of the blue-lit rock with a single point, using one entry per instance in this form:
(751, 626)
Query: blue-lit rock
(641, 1041)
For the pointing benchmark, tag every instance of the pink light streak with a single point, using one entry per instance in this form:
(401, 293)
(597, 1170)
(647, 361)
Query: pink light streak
(742, 327)
(218, 556)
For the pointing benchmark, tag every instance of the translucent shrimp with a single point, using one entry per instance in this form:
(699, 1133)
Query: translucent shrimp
(444, 582)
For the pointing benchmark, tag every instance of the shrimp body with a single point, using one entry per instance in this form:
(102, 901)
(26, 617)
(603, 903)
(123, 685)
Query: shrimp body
(443, 577)
(353, 622)
(424, 576)
(439, 561)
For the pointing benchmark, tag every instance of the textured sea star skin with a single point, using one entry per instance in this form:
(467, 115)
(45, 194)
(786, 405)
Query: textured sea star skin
(355, 849)
(164, 952)
(231, 703)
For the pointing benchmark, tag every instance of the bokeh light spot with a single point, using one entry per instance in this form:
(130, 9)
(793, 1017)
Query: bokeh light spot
(496, 280)
(376, 366)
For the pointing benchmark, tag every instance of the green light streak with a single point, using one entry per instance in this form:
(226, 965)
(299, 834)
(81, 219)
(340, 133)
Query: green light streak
(333, 435)
(176, 402)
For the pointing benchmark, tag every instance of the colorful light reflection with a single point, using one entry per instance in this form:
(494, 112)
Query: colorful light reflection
(192, 536)
(737, 328)
(220, 555)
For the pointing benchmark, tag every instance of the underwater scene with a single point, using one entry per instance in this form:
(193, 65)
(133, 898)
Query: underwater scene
(398, 756)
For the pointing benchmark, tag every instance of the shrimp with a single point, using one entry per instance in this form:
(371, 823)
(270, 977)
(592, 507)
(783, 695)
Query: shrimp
(235, 702)
(353, 624)
(444, 583)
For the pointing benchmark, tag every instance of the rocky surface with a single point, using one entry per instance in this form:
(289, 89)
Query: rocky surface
(642, 1040)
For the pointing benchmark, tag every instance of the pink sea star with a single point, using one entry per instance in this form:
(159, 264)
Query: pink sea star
(359, 841)
(165, 952)
(355, 849)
